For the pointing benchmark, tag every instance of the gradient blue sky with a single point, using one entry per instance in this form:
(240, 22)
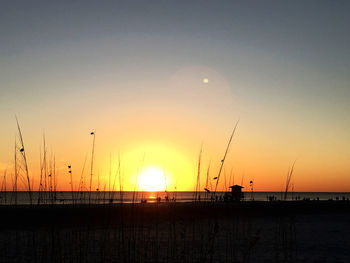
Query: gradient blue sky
(282, 67)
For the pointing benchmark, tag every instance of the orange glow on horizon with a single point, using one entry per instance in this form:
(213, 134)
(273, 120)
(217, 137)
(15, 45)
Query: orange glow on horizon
(155, 130)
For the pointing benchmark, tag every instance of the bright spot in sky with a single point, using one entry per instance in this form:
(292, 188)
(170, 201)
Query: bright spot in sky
(205, 80)
(152, 179)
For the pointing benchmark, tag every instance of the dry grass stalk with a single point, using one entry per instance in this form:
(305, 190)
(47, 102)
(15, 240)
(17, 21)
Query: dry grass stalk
(223, 159)
(198, 181)
(288, 181)
(92, 164)
(25, 163)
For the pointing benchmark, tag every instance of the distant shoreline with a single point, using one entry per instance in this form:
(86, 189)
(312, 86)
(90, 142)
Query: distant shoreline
(202, 192)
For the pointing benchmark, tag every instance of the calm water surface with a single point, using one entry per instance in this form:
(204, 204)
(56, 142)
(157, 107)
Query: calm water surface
(21, 198)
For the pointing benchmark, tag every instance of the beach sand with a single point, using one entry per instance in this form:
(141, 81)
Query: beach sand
(304, 231)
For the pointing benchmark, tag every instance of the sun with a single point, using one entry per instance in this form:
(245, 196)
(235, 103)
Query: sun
(152, 179)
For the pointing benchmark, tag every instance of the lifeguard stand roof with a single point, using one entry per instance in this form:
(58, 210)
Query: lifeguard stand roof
(236, 186)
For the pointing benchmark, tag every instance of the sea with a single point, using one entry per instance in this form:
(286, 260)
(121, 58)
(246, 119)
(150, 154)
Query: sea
(105, 197)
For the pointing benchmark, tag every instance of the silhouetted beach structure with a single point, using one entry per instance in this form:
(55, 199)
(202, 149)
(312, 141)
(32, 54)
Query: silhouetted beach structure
(236, 192)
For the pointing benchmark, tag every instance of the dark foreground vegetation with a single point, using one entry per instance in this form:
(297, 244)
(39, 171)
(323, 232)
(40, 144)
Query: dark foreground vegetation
(177, 232)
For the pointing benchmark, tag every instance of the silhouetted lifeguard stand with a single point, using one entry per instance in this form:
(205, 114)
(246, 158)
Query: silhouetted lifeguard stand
(236, 191)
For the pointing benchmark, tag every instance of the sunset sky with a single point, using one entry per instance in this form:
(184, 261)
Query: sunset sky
(156, 80)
